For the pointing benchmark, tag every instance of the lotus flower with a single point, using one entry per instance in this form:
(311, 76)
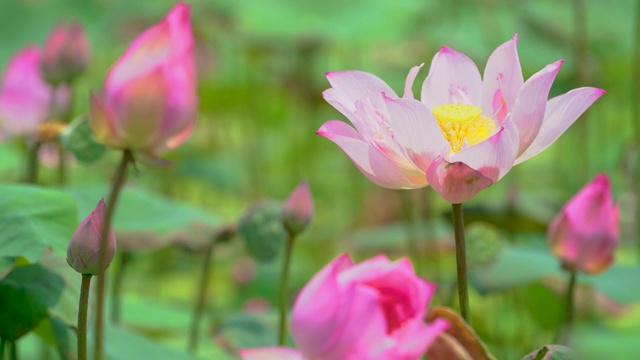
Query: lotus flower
(297, 210)
(65, 54)
(372, 310)
(84, 248)
(149, 100)
(26, 101)
(464, 134)
(586, 232)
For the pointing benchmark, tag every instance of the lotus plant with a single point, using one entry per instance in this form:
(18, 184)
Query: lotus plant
(65, 54)
(366, 311)
(465, 133)
(584, 236)
(147, 107)
(149, 100)
(83, 254)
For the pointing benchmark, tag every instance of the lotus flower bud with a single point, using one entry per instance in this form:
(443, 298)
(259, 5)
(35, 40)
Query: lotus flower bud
(84, 249)
(65, 54)
(297, 211)
(585, 233)
(149, 100)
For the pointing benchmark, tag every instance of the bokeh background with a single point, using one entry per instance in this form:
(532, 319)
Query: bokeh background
(261, 66)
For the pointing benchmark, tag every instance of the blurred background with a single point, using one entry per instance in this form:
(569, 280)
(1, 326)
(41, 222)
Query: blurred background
(261, 66)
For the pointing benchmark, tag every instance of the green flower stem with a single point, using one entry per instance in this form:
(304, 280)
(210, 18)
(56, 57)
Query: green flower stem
(3, 343)
(116, 288)
(635, 100)
(284, 280)
(564, 332)
(82, 316)
(118, 182)
(198, 310)
(62, 165)
(461, 262)
(31, 175)
(14, 350)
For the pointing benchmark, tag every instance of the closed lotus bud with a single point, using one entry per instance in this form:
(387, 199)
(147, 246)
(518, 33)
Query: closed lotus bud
(65, 54)
(84, 249)
(149, 100)
(586, 232)
(297, 211)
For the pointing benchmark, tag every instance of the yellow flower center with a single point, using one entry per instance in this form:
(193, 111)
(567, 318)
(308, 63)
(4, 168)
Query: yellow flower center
(462, 123)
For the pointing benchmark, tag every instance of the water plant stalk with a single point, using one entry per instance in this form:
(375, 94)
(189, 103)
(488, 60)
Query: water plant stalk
(284, 284)
(461, 262)
(201, 301)
(82, 316)
(33, 165)
(118, 182)
(564, 332)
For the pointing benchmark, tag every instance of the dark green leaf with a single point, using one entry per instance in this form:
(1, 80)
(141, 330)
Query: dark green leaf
(55, 332)
(552, 352)
(25, 295)
(32, 219)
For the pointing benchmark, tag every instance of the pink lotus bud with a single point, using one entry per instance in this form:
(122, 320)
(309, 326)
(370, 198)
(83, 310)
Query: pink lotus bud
(65, 54)
(297, 211)
(372, 310)
(149, 100)
(84, 248)
(25, 99)
(585, 233)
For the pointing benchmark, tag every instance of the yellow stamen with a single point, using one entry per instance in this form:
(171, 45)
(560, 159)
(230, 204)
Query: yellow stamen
(463, 122)
(50, 131)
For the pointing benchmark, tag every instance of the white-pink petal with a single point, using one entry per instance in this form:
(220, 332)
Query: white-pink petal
(369, 160)
(528, 111)
(416, 130)
(453, 78)
(561, 112)
(502, 80)
(456, 182)
(352, 85)
(493, 157)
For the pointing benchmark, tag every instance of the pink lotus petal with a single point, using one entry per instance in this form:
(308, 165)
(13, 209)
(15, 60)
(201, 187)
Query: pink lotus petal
(369, 160)
(457, 182)
(103, 124)
(271, 353)
(417, 130)
(417, 338)
(560, 113)
(352, 85)
(408, 85)
(493, 157)
(502, 80)
(453, 78)
(529, 109)
(313, 312)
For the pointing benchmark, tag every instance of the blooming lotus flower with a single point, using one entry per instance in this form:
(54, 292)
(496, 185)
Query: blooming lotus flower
(297, 210)
(26, 101)
(65, 54)
(586, 232)
(372, 310)
(84, 248)
(149, 100)
(463, 135)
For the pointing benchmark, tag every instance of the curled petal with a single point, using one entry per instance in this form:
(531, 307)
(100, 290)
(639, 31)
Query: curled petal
(528, 112)
(408, 85)
(457, 182)
(352, 85)
(453, 78)
(369, 160)
(103, 123)
(502, 80)
(416, 130)
(495, 156)
(560, 113)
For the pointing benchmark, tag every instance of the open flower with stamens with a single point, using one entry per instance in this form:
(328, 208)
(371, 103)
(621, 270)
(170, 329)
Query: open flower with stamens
(464, 134)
